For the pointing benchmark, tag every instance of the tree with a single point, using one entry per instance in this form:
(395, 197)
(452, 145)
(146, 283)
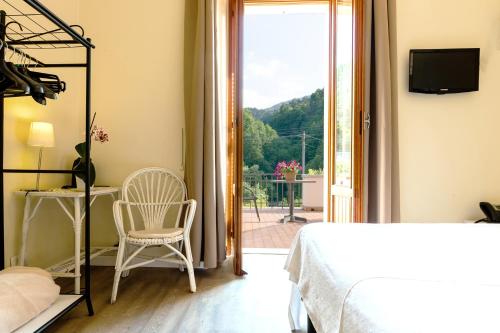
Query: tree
(274, 134)
(256, 134)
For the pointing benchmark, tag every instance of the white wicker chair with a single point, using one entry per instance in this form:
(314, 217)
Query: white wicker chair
(149, 195)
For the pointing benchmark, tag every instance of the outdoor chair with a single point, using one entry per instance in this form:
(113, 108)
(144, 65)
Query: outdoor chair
(250, 195)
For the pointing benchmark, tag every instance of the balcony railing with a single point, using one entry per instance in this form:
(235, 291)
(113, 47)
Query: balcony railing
(267, 192)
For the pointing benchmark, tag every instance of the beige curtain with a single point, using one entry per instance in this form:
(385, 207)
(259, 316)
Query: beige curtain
(205, 128)
(379, 141)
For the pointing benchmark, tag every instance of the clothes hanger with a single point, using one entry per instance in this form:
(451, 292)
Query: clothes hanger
(5, 83)
(17, 84)
(21, 70)
(39, 89)
(17, 80)
(38, 96)
(50, 80)
(8, 86)
(35, 87)
(12, 71)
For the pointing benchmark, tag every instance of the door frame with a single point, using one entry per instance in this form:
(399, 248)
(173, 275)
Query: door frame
(235, 117)
(358, 131)
(359, 110)
(235, 134)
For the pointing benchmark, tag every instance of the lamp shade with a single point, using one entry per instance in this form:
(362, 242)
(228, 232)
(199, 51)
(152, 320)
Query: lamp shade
(41, 135)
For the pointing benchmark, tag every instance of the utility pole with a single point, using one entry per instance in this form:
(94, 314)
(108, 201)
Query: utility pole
(303, 152)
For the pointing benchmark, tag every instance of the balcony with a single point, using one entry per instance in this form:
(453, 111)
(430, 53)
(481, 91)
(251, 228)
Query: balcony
(269, 232)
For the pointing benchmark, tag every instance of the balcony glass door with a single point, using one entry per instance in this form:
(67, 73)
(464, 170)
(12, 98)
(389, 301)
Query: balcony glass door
(285, 85)
(347, 133)
(278, 115)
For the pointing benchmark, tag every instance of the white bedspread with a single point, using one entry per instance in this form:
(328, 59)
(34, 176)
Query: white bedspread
(399, 278)
(24, 293)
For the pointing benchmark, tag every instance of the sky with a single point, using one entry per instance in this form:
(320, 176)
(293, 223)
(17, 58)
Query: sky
(285, 53)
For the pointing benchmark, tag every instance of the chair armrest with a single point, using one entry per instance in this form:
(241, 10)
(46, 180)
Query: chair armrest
(189, 216)
(118, 217)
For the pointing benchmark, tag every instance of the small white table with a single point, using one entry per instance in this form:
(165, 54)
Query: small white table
(72, 202)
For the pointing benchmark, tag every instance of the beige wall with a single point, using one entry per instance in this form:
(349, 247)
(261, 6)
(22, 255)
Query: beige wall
(138, 90)
(446, 158)
(445, 146)
(138, 94)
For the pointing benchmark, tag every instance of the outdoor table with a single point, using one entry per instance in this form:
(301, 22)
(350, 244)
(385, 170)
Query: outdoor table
(291, 198)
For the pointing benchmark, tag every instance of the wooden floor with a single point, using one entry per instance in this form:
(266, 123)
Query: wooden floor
(158, 300)
(270, 232)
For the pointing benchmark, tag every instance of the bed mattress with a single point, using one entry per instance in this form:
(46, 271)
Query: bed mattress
(357, 278)
(24, 293)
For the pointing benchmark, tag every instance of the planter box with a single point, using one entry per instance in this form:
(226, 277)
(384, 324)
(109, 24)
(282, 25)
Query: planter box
(312, 193)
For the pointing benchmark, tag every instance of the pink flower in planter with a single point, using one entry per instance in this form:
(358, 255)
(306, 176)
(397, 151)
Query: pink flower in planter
(285, 167)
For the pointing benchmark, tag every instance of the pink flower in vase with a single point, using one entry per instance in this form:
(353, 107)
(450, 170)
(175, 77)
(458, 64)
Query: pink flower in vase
(100, 135)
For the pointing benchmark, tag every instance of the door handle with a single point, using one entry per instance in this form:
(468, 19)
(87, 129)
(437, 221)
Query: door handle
(367, 121)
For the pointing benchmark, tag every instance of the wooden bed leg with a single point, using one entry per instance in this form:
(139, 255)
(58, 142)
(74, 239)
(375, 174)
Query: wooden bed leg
(310, 327)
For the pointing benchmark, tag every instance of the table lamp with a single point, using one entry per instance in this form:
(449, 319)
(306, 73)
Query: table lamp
(42, 136)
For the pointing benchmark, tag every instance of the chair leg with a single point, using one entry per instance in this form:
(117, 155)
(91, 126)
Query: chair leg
(189, 265)
(118, 269)
(179, 247)
(192, 282)
(256, 209)
(125, 256)
(116, 281)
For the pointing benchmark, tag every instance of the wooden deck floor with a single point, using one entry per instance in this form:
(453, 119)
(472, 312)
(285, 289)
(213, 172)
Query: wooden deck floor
(270, 233)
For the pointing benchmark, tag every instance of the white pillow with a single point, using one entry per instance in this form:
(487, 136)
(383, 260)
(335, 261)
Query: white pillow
(24, 293)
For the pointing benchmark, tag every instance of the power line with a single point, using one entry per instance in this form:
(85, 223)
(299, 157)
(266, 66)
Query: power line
(299, 128)
(249, 140)
(277, 138)
(296, 129)
(314, 137)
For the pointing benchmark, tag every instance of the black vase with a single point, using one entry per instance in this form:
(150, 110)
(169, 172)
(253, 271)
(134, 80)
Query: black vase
(80, 165)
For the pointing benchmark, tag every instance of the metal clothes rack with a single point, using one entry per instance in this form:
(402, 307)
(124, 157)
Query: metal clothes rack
(31, 25)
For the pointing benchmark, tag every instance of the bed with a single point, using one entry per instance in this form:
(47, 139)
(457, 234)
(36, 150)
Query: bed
(355, 278)
(27, 296)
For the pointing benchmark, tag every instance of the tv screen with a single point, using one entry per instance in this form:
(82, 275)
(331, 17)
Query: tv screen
(444, 71)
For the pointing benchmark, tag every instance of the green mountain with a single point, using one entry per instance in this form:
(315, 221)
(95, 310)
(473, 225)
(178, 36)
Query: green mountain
(275, 134)
(267, 112)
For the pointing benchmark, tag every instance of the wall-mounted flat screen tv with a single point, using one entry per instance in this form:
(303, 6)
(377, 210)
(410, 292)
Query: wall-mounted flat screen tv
(444, 71)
